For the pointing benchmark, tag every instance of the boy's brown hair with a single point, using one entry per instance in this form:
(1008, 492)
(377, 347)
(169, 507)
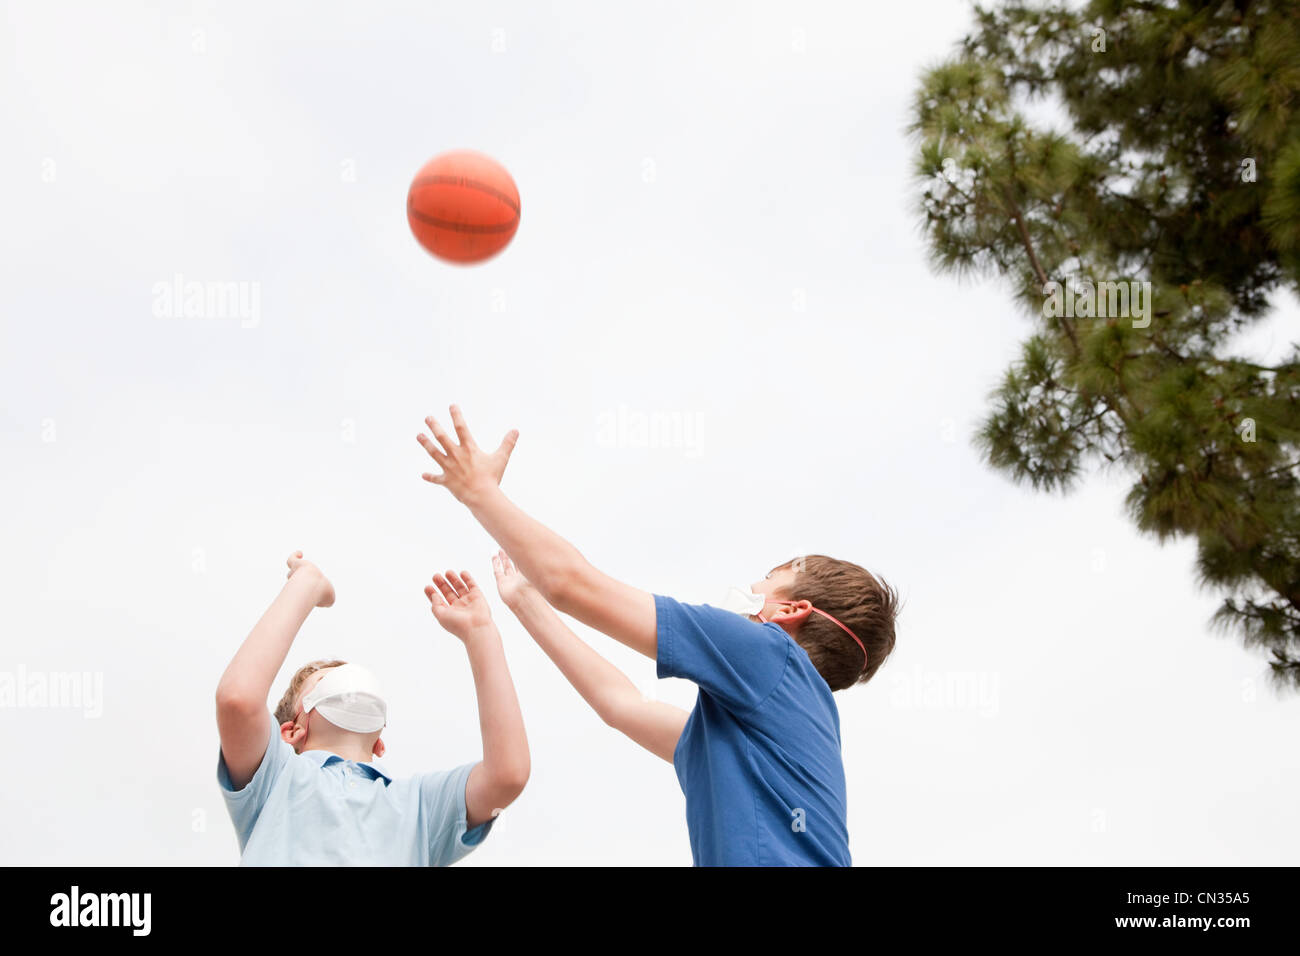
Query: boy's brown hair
(287, 709)
(865, 604)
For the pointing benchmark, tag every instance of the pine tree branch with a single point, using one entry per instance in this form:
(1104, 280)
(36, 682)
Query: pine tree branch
(1242, 363)
(1019, 218)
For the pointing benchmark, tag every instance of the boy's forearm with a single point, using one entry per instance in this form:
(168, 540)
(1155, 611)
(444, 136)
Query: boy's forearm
(601, 684)
(248, 677)
(501, 723)
(654, 725)
(549, 562)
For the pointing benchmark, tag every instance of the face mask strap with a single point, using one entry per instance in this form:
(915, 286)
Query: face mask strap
(829, 618)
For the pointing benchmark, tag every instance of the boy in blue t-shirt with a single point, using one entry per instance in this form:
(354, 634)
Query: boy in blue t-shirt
(758, 758)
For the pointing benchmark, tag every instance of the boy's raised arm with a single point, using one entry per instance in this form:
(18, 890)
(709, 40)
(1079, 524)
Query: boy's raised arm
(567, 581)
(654, 725)
(242, 718)
(497, 780)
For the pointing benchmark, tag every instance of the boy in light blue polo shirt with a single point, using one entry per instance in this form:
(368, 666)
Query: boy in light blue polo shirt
(302, 787)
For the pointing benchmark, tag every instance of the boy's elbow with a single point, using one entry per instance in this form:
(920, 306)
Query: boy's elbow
(510, 781)
(563, 587)
(557, 595)
(233, 700)
(613, 713)
(519, 782)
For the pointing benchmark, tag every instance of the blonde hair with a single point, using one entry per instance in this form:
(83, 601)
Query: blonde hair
(288, 706)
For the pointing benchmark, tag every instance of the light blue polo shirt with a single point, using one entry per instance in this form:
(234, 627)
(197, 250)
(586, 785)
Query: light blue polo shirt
(318, 809)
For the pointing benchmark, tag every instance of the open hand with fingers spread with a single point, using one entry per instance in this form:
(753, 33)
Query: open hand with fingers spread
(459, 604)
(466, 468)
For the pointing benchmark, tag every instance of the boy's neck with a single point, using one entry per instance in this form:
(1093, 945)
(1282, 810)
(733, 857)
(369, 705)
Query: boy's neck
(357, 753)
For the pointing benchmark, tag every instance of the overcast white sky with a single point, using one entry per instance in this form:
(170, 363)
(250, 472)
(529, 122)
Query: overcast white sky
(716, 226)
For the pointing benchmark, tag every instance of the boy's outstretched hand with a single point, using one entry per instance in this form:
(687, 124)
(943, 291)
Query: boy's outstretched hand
(466, 468)
(458, 604)
(511, 585)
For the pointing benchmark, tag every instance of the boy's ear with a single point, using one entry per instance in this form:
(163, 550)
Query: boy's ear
(378, 749)
(792, 614)
(293, 734)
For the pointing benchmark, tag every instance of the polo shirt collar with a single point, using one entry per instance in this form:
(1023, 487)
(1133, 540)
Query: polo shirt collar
(323, 758)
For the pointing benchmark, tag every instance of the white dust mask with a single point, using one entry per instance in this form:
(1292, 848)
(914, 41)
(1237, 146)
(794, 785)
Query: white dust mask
(743, 601)
(746, 602)
(348, 696)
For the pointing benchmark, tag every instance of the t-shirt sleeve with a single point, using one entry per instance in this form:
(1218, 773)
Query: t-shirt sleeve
(736, 660)
(246, 805)
(442, 798)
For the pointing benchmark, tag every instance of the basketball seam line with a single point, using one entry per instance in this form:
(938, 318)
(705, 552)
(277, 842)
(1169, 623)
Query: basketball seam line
(460, 226)
(471, 183)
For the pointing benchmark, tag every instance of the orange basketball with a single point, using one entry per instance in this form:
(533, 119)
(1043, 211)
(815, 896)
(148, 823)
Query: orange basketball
(463, 206)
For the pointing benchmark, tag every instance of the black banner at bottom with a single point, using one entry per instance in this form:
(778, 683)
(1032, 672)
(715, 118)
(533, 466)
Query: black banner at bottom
(1171, 906)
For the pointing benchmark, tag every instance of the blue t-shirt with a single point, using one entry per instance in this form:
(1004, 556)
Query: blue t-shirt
(759, 758)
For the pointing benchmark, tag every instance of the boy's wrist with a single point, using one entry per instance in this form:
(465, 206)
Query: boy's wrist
(310, 579)
(478, 494)
(525, 601)
(481, 632)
